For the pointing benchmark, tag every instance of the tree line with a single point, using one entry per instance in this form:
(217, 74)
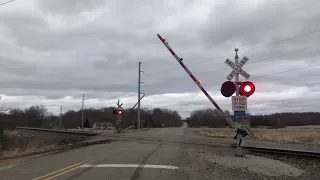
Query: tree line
(38, 116)
(212, 118)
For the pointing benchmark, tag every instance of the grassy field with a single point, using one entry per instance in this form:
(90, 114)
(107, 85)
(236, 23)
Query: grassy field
(285, 135)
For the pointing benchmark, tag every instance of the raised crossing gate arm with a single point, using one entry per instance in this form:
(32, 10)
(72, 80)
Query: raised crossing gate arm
(232, 123)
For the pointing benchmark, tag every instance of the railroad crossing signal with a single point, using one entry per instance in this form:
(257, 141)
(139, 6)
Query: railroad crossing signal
(119, 111)
(246, 88)
(242, 89)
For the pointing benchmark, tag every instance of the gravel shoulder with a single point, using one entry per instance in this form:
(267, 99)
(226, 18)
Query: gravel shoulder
(221, 163)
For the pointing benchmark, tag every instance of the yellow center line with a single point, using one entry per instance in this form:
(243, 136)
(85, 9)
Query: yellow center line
(63, 173)
(66, 168)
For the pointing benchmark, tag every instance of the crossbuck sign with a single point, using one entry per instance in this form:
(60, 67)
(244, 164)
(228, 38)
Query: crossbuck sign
(237, 69)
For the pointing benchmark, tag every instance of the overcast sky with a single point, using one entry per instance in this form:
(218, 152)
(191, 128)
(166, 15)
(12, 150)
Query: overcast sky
(53, 51)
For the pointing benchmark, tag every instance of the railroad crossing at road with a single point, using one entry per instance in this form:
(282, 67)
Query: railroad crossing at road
(239, 103)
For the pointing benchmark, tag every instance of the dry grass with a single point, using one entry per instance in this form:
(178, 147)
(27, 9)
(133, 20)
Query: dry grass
(21, 142)
(28, 150)
(218, 133)
(300, 136)
(313, 127)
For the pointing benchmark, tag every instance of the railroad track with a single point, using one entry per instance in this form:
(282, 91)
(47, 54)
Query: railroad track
(259, 150)
(60, 131)
(284, 152)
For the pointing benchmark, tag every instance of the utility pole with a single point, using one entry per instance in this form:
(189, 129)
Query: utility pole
(236, 82)
(60, 116)
(139, 93)
(82, 111)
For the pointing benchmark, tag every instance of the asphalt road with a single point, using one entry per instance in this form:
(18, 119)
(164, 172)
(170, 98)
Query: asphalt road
(164, 153)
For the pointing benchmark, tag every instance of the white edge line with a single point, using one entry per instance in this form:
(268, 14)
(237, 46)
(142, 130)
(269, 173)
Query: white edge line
(131, 165)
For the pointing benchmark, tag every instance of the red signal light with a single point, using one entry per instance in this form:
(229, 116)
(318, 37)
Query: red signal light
(247, 88)
(120, 112)
(199, 82)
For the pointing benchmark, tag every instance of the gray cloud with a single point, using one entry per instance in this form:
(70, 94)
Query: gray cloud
(69, 7)
(55, 49)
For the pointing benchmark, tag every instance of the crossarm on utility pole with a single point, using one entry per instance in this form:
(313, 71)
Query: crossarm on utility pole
(228, 118)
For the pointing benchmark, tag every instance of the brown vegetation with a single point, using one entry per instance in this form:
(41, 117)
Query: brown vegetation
(25, 141)
(211, 118)
(278, 127)
(286, 135)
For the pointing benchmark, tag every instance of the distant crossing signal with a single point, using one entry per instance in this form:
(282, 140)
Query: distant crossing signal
(118, 112)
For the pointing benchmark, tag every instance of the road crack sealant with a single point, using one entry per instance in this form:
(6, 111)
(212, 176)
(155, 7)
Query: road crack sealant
(137, 172)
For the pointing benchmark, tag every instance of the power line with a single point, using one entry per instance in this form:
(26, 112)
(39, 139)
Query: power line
(289, 70)
(283, 40)
(268, 58)
(265, 75)
(293, 101)
(256, 47)
(6, 2)
(281, 72)
(146, 87)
